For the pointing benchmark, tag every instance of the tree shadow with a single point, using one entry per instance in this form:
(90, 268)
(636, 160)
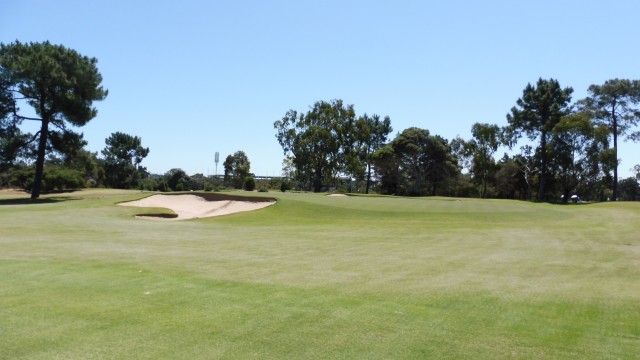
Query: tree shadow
(45, 200)
(29, 201)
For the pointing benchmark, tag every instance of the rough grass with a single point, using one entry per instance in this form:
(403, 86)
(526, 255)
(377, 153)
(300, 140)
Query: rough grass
(320, 277)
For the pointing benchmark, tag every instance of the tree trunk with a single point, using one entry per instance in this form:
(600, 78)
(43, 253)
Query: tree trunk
(317, 181)
(614, 196)
(42, 148)
(366, 191)
(543, 173)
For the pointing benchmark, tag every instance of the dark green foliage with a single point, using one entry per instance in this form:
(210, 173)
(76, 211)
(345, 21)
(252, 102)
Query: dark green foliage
(536, 113)
(236, 169)
(122, 157)
(317, 141)
(177, 180)
(56, 178)
(576, 147)
(285, 185)
(13, 142)
(477, 154)
(615, 105)
(371, 135)
(58, 83)
(249, 183)
(629, 190)
(510, 179)
(415, 163)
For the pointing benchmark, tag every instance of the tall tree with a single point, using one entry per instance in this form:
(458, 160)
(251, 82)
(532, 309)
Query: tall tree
(536, 113)
(12, 140)
(578, 146)
(236, 169)
(477, 153)
(316, 141)
(415, 163)
(60, 85)
(122, 157)
(372, 134)
(615, 104)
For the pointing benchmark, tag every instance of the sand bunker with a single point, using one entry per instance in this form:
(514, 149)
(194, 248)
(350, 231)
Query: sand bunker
(198, 206)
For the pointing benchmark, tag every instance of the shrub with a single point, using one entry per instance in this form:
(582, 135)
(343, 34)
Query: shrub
(249, 183)
(263, 189)
(284, 186)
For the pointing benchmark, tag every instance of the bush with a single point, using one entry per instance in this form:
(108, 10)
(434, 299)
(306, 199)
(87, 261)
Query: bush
(54, 178)
(263, 189)
(284, 186)
(249, 183)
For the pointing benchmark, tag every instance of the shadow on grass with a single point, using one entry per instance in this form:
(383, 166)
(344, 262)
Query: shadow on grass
(159, 215)
(29, 201)
(45, 200)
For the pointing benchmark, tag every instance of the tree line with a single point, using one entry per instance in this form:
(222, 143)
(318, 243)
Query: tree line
(569, 148)
(557, 148)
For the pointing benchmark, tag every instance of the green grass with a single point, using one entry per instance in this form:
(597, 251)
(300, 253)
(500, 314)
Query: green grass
(317, 277)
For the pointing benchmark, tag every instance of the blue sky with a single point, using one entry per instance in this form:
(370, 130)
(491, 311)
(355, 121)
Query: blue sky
(195, 77)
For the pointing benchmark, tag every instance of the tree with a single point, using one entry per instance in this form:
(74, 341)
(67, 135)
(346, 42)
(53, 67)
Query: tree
(122, 157)
(510, 182)
(615, 104)
(177, 180)
(12, 141)
(536, 113)
(249, 183)
(477, 153)
(371, 135)
(629, 189)
(316, 141)
(60, 85)
(578, 145)
(236, 168)
(415, 163)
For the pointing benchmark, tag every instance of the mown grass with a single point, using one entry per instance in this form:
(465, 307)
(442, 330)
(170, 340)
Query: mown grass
(320, 277)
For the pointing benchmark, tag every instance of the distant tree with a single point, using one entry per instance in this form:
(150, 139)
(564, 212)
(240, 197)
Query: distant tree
(536, 113)
(477, 153)
(415, 163)
(177, 180)
(629, 189)
(577, 145)
(249, 183)
(236, 168)
(615, 104)
(510, 182)
(316, 141)
(122, 157)
(372, 134)
(60, 85)
(12, 140)
(636, 169)
(199, 181)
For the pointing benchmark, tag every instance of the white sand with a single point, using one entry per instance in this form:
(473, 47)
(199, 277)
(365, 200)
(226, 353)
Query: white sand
(193, 207)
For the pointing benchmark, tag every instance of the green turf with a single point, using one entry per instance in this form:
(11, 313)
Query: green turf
(317, 277)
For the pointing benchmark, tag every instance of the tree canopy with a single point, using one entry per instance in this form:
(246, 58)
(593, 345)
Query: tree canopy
(58, 83)
(316, 140)
(122, 157)
(615, 105)
(415, 163)
(536, 113)
(236, 168)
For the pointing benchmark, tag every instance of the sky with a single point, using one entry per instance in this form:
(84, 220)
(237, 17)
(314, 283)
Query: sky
(192, 78)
